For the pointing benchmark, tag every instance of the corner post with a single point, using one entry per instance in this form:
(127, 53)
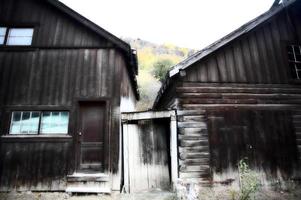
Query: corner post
(174, 150)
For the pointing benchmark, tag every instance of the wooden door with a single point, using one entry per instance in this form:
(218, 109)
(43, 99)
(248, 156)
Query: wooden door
(91, 136)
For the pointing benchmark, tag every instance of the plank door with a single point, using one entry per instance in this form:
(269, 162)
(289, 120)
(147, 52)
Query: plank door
(91, 136)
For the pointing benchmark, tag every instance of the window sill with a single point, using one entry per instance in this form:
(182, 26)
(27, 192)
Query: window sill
(17, 48)
(36, 138)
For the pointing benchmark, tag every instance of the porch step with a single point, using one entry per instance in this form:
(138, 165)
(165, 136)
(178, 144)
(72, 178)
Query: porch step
(88, 183)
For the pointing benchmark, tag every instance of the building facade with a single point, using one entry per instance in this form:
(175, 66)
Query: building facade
(64, 82)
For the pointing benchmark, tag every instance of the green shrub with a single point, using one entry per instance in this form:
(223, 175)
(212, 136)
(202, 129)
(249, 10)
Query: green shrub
(249, 181)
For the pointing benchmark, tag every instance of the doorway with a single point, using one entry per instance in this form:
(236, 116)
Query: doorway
(91, 136)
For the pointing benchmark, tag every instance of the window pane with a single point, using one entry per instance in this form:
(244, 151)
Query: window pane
(54, 123)
(20, 36)
(25, 123)
(2, 34)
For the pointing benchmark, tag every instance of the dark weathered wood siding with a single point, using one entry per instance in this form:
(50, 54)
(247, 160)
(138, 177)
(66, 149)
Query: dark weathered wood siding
(256, 57)
(240, 101)
(67, 63)
(52, 27)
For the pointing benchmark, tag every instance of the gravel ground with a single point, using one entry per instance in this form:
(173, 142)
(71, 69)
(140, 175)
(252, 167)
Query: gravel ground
(64, 196)
(206, 194)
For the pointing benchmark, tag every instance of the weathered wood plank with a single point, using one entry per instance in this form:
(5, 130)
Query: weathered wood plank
(193, 143)
(190, 112)
(187, 131)
(191, 124)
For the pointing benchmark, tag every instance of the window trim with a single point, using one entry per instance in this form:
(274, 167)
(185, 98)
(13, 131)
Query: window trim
(294, 62)
(8, 27)
(283, 45)
(38, 134)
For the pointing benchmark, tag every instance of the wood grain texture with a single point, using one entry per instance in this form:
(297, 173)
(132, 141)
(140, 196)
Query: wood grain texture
(255, 57)
(66, 63)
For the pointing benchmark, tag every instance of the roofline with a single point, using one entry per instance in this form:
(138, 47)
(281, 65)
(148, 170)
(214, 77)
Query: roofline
(91, 25)
(122, 45)
(218, 44)
(228, 38)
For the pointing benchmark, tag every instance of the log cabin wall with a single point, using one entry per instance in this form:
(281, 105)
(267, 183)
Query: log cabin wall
(240, 101)
(66, 62)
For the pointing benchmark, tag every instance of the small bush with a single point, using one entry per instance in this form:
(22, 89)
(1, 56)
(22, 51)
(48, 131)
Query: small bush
(249, 181)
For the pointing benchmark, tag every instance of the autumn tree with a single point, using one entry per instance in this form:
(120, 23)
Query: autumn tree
(160, 68)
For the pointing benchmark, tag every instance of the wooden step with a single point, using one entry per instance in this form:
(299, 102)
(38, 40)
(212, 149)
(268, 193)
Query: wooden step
(88, 183)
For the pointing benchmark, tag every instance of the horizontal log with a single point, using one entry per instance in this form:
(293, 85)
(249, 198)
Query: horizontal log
(237, 85)
(298, 135)
(193, 137)
(261, 96)
(296, 116)
(186, 131)
(194, 149)
(190, 112)
(190, 143)
(204, 182)
(251, 90)
(192, 168)
(242, 106)
(200, 95)
(217, 101)
(297, 123)
(192, 124)
(192, 118)
(204, 161)
(298, 129)
(194, 175)
(197, 155)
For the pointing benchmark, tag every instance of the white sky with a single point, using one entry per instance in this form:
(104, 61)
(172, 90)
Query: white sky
(186, 23)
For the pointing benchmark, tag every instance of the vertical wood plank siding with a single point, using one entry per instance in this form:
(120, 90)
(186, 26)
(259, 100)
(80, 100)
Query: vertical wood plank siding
(34, 165)
(266, 138)
(52, 27)
(58, 78)
(256, 57)
(46, 77)
(65, 63)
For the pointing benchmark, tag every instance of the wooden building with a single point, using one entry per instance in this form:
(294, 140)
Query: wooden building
(241, 98)
(64, 82)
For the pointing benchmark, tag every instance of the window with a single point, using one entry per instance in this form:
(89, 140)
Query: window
(294, 59)
(2, 35)
(54, 122)
(36, 122)
(16, 36)
(25, 123)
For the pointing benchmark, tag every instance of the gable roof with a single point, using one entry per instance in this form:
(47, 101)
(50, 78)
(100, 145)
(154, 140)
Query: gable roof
(117, 42)
(277, 7)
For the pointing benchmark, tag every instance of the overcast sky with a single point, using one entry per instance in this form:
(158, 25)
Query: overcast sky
(186, 23)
